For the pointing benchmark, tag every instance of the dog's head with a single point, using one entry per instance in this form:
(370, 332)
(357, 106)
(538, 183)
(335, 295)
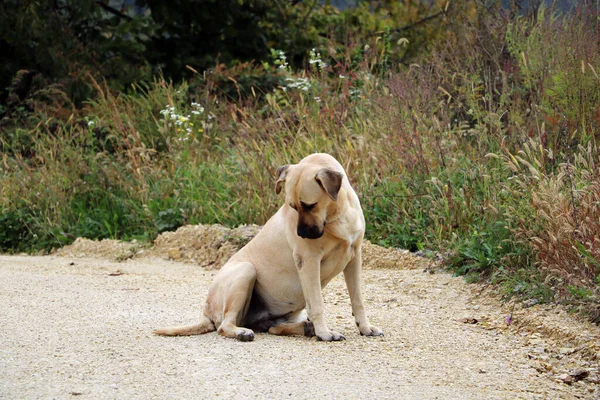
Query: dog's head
(312, 191)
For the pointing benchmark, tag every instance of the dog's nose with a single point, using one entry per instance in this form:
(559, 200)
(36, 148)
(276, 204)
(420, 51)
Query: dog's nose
(309, 232)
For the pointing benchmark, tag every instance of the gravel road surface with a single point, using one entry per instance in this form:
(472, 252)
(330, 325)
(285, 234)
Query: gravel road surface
(81, 328)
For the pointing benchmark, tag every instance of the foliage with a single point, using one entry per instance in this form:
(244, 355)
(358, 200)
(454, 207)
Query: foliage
(129, 42)
(62, 42)
(484, 148)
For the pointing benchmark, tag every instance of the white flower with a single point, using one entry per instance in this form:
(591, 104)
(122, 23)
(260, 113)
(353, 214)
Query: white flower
(282, 60)
(298, 83)
(315, 58)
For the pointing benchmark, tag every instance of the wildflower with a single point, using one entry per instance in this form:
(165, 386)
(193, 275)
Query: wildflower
(281, 60)
(315, 58)
(298, 83)
(199, 107)
(354, 91)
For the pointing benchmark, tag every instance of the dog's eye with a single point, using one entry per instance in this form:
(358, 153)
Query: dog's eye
(307, 207)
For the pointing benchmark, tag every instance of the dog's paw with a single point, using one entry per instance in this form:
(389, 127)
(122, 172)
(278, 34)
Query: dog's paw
(330, 336)
(370, 330)
(244, 335)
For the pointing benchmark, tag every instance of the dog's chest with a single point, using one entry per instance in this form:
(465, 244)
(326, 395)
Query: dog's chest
(336, 259)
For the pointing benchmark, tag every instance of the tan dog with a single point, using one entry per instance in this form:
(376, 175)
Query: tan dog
(313, 237)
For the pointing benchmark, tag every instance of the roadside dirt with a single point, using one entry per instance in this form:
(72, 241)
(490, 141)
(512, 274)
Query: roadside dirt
(78, 323)
(210, 246)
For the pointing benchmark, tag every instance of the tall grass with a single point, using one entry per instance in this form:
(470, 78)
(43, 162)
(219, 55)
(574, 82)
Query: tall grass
(485, 150)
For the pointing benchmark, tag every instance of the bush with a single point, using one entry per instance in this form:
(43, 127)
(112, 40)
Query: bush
(458, 153)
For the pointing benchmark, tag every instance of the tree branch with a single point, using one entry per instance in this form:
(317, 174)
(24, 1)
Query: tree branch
(113, 11)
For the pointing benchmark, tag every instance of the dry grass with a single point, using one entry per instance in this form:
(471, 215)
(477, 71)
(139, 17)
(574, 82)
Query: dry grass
(487, 150)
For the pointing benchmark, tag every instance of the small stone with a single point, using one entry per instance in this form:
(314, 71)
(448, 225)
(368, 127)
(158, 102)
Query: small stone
(543, 367)
(174, 254)
(530, 302)
(594, 379)
(579, 374)
(566, 350)
(566, 378)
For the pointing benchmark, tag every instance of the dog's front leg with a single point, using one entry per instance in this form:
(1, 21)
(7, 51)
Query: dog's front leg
(309, 271)
(353, 282)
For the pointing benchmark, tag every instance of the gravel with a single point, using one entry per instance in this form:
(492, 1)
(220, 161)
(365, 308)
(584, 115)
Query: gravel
(81, 327)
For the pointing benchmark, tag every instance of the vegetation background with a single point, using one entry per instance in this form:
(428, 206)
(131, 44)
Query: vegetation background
(468, 127)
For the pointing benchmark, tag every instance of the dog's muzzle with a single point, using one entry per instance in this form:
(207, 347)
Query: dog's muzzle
(310, 231)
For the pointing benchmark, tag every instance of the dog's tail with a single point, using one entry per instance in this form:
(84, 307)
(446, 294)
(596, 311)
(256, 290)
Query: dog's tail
(205, 326)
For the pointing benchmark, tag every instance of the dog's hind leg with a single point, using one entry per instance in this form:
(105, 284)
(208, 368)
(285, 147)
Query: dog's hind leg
(293, 326)
(304, 328)
(235, 286)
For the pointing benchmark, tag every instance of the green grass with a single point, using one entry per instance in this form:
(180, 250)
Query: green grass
(482, 155)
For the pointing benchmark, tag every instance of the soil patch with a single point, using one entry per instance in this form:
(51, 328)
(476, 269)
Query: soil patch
(210, 246)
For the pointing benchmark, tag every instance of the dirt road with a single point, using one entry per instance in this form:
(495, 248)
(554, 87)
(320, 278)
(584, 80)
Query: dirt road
(73, 327)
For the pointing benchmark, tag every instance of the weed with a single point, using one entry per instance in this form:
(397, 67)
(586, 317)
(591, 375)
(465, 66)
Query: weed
(486, 149)
(579, 292)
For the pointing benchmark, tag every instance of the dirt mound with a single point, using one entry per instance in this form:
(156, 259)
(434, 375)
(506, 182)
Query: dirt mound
(109, 249)
(389, 258)
(211, 246)
(206, 245)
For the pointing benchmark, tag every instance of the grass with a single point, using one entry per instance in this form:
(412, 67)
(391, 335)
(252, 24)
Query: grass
(486, 150)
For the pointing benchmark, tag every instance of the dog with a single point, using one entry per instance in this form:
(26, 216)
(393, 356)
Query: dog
(274, 283)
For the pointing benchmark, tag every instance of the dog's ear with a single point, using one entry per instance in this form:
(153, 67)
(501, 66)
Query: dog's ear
(330, 181)
(281, 174)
